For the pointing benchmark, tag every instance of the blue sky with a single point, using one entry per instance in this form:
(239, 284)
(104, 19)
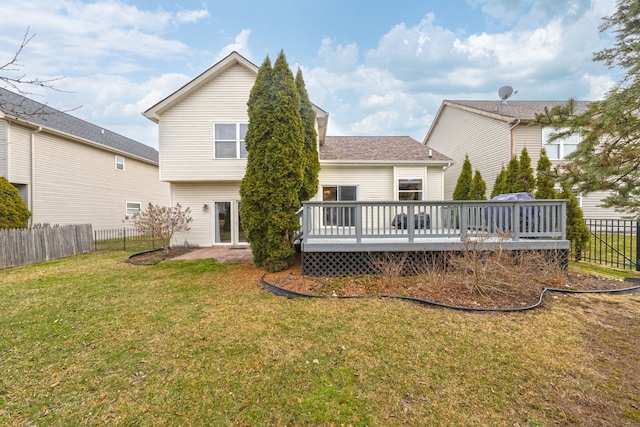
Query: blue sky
(378, 67)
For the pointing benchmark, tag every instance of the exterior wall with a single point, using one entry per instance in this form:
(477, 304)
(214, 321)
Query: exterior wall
(186, 129)
(374, 182)
(4, 129)
(485, 140)
(531, 138)
(76, 183)
(435, 184)
(194, 195)
(591, 207)
(19, 155)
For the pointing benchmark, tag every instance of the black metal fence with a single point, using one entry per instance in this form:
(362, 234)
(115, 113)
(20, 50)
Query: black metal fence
(614, 242)
(125, 239)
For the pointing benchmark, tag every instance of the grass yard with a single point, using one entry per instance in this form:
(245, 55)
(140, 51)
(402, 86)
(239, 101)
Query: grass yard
(93, 340)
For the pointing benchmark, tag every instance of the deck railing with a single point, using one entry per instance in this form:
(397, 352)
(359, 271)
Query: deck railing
(409, 220)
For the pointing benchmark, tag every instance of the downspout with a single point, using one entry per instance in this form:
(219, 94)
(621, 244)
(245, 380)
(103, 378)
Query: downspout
(514, 152)
(32, 192)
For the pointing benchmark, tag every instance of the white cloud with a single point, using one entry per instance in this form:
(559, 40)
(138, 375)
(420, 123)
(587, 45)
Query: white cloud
(240, 45)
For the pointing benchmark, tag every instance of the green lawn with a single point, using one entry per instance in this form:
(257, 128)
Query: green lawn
(93, 340)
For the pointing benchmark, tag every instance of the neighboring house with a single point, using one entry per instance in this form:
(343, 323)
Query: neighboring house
(492, 132)
(69, 171)
(202, 155)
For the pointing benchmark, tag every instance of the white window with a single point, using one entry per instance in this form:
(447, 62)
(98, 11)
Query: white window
(560, 148)
(119, 163)
(410, 189)
(229, 140)
(133, 208)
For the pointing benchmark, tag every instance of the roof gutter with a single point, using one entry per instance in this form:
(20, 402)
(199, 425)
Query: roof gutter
(514, 153)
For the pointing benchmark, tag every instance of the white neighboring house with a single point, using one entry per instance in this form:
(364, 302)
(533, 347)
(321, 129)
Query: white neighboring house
(492, 132)
(202, 155)
(69, 171)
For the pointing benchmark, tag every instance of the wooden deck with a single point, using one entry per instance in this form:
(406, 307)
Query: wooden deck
(419, 226)
(339, 238)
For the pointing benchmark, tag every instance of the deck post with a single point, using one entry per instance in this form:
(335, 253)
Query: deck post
(463, 213)
(411, 223)
(563, 220)
(515, 221)
(358, 223)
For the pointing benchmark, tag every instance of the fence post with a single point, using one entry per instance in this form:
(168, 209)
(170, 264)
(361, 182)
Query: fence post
(124, 239)
(637, 245)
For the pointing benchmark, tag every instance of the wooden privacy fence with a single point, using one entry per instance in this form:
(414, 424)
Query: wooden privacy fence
(32, 245)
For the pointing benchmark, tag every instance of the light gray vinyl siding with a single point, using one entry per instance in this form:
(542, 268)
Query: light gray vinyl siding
(531, 138)
(195, 195)
(4, 128)
(591, 208)
(374, 182)
(486, 141)
(186, 129)
(78, 183)
(19, 155)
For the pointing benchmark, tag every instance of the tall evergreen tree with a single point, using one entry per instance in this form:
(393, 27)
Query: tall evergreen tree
(463, 185)
(525, 182)
(478, 190)
(311, 162)
(577, 230)
(511, 177)
(270, 189)
(545, 181)
(13, 211)
(500, 186)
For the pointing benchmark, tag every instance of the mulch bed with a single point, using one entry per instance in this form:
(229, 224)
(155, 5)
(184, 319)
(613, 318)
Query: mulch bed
(155, 256)
(449, 292)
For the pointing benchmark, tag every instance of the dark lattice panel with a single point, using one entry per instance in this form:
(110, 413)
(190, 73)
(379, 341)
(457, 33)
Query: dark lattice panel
(340, 264)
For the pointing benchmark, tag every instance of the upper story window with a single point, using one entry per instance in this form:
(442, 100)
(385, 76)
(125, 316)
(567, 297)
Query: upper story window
(560, 148)
(229, 140)
(410, 189)
(119, 163)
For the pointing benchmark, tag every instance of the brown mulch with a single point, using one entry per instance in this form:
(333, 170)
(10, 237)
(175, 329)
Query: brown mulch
(439, 289)
(153, 257)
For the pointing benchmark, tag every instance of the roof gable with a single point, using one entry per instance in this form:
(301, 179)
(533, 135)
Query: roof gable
(31, 112)
(510, 112)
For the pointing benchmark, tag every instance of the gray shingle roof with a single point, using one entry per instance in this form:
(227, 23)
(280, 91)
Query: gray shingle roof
(16, 105)
(380, 148)
(522, 110)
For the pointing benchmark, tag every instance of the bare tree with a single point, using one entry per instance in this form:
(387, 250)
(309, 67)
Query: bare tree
(14, 79)
(162, 222)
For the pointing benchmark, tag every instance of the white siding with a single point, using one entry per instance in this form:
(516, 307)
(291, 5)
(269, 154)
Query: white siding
(435, 184)
(591, 209)
(486, 141)
(19, 155)
(77, 183)
(195, 196)
(4, 129)
(374, 182)
(531, 138)
(186, 129)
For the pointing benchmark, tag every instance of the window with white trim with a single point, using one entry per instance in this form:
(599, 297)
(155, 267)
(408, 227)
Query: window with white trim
(229, 140)
(119, 163)
(561, 147)
(410, 189)
(342, 216)
(133, 208)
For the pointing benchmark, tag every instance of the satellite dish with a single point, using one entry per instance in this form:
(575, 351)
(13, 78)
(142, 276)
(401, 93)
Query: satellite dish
(505, 92)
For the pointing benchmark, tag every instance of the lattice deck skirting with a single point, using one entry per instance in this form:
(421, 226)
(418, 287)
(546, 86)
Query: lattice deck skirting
(340, 264)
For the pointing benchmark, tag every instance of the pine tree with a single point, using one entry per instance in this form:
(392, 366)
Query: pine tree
(311, 163)
(525, 182)
(478, 188)
(13, 211)
(499, 187)
(511, 177)
(577, 230)
(270, 189)
(463, 185)
(545, 181)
